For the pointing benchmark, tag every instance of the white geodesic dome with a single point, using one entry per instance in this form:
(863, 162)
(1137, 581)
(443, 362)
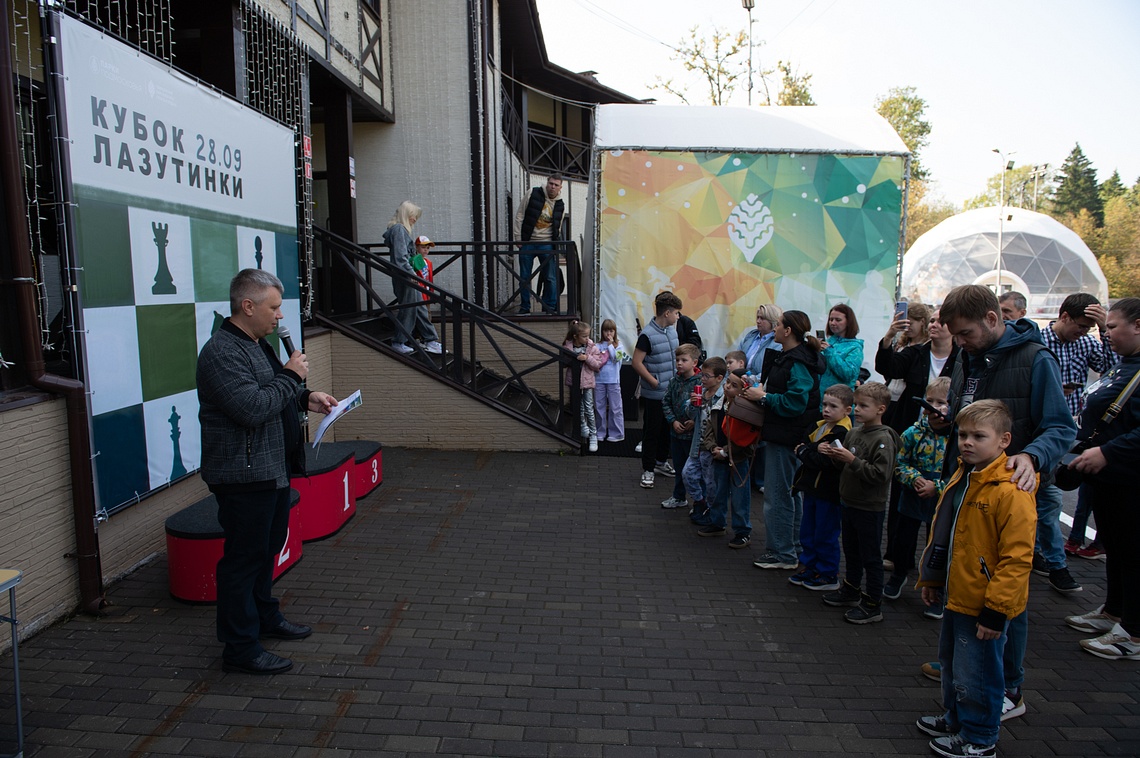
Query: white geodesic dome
(1041, 258)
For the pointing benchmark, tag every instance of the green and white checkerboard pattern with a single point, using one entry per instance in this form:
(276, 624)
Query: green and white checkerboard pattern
(142, 347)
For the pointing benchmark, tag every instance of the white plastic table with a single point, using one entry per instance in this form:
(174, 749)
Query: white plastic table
(9, 578)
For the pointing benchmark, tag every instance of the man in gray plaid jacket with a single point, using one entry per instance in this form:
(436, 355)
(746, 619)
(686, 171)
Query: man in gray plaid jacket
(251, 443)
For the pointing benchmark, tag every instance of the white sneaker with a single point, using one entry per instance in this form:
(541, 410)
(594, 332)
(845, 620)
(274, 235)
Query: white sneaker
(402, 348)
(1010, 708)
(620, 438)
(665, 469)
(637, 447)
(647, 479)
(1094, 621)
(433, 347)
(1115, 644)
(673, 502)
(593, 443)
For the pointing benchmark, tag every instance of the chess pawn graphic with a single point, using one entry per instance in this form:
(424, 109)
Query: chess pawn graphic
(257, 254)
(163, 281)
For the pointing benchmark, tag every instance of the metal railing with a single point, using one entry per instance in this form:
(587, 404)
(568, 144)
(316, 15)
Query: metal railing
(485, 355)
(487, 273)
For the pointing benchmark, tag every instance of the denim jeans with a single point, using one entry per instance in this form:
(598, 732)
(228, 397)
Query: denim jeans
(863, 549)
(1013, 659)
(972, 684)
(782, 507)
(1050, 543)
(698, 476)
(758, 466)
(255, 526)
(819, 535)
(732, 484)
(547, 272)
(1081, 515)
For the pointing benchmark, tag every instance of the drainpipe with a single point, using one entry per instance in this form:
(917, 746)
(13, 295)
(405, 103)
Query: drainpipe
(91, 598)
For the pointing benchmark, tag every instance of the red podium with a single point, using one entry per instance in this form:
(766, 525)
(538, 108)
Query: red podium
(194, 541)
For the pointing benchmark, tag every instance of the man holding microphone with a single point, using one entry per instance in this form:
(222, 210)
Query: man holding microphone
(251, 443)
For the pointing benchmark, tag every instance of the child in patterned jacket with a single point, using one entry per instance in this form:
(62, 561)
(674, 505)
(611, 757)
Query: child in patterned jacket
(919, 471)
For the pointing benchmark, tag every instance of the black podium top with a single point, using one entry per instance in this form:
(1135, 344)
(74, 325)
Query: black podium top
(329, 455)
(199, 521)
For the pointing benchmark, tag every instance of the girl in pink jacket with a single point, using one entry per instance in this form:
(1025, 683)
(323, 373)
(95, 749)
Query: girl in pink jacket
(591, 360)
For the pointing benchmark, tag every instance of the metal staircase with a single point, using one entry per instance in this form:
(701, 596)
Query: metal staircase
(486, 356)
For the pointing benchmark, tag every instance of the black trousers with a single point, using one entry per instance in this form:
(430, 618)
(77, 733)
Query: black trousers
(863, 549)
(255, 525)
(655, 439)
(1118, 529)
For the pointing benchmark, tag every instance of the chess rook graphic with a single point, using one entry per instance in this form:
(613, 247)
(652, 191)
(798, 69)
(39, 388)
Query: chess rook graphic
(751, 227)
(163, 281)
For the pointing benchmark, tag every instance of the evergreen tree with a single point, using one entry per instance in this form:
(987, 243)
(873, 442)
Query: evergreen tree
(1112, 187)
(1077, 188)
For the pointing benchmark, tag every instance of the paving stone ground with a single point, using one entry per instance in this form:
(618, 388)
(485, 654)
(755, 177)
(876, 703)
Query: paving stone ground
(507, 604)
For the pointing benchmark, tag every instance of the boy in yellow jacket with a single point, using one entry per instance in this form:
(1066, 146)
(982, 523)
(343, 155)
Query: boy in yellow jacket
(981, 552)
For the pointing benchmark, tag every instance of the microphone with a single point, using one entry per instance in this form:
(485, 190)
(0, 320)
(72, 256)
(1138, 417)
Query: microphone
(286, 340)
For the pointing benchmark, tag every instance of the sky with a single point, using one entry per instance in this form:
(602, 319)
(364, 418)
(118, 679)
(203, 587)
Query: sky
(1029, 78)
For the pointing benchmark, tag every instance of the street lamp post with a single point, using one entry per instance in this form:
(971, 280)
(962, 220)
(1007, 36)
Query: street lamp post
(748, 6)
(1006, 165)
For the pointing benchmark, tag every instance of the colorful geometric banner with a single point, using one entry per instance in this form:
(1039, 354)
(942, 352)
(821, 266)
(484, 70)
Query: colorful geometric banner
(729, 232)
(176, 189)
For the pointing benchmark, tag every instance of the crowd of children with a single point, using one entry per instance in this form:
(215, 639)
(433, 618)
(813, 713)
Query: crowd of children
(980, 526)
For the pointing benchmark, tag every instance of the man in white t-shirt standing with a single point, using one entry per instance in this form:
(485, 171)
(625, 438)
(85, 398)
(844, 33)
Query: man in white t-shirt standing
(538, 223)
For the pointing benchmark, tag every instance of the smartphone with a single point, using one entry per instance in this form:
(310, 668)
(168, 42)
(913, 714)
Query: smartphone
(931, 409)
(900, 310)
(837, 443)
(820, 334)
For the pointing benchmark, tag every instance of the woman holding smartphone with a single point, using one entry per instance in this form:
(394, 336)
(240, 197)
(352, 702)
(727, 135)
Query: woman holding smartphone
(929, 352)
(843, 351)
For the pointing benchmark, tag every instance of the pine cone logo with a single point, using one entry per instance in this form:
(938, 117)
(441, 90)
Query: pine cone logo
(751, 227)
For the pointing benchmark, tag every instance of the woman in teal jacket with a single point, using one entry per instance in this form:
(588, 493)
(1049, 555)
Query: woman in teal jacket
(842, 351)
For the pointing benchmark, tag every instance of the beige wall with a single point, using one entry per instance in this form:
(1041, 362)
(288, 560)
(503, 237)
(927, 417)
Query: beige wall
(405, 408)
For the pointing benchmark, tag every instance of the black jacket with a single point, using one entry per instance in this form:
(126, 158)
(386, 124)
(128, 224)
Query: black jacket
(912, 365)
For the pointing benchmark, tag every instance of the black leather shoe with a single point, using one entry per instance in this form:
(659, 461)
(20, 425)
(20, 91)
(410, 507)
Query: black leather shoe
(287, 631)
(266, 663)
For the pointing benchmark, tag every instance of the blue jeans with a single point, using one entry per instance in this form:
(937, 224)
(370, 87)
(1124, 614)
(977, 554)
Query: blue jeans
(972, 685)
(819, 535)
(255, 526)
(547, 273)
(758, 466)
(732, 483)
(1050, 543)
(1017, 636)
(863, 549)
(1081, 516)
(698, 476)
(782, 507)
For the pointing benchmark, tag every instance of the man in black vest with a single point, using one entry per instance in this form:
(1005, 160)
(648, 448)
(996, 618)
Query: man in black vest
(538, 223)
(1007, 361)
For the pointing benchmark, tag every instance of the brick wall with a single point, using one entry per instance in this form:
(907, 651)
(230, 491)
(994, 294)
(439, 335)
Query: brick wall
(36, 527)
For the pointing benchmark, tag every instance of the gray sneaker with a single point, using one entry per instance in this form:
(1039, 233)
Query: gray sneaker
(1097, 622)
(665, 469)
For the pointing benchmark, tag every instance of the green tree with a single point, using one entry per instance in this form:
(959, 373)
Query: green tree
(1019, 189)
(924, 210)
(1077, 188)
(719, 62)
(1112, 187)
(904, 110)
(793, 87)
